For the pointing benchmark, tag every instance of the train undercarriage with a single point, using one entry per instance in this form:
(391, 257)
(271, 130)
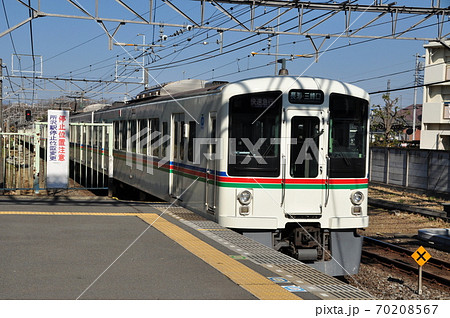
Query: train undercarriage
(307, 243)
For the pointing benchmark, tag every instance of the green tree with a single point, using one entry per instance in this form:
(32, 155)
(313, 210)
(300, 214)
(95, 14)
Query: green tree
(387, 122)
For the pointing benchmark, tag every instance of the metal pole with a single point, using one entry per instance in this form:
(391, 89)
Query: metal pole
(277, 44)
(110, 161)
(420, 280)
(37, 157)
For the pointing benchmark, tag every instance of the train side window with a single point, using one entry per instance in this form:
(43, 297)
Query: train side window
(305, 150)
(155, 135)
(143, 136)
(165, 145)
(175, 142)
(116, 135)
(133, 135)
(105, 138)
(182, 140)
(123, 135)
(192, 134)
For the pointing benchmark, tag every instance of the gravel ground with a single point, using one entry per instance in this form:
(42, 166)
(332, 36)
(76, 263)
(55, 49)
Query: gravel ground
(399, 228)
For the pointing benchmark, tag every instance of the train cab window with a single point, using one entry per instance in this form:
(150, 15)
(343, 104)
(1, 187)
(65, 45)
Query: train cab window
(191, 139)
(254, 128)
(305, 135)
(143, 136)
(347, 141)
(123, 135)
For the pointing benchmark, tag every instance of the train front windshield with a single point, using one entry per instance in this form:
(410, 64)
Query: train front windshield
(347, 140)
(255, 127)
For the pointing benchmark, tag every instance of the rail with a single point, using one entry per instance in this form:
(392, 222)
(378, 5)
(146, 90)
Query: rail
(436, 270)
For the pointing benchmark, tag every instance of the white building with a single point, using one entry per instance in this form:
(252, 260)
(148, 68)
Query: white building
(436, 97)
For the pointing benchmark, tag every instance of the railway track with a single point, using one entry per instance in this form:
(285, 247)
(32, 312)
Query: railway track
(409, 200)
(435, 270)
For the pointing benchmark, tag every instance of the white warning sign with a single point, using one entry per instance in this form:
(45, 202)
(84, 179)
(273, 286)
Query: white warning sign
(58, 149)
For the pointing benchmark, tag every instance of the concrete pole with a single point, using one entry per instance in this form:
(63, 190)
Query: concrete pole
(416, 82)
(2, 167)
(1, 95)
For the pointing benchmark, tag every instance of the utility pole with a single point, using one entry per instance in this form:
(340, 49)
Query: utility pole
(1, 95)
(2, 168)
(416, 83)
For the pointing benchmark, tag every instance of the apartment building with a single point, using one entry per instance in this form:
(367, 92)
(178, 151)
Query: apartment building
(435, 132)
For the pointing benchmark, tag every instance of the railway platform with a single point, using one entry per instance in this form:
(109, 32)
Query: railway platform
(94, 248)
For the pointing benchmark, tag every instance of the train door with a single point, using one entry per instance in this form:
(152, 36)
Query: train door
(178, 154)
(211, 166)
(303, 171)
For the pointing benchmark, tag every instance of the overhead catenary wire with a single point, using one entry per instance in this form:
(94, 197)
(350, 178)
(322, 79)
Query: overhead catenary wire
(163, 66)
(179, 51)
(260, 40)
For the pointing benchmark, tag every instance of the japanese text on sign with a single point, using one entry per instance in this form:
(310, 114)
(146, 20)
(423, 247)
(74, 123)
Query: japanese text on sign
(57, 149)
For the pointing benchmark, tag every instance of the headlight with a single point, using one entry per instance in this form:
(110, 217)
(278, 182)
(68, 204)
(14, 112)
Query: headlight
(245, 197)
(357, 197)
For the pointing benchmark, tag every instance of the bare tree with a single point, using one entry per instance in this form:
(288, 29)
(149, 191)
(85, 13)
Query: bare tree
(387, 122)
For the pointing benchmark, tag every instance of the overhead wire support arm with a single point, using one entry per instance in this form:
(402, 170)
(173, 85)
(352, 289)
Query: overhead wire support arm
(202, 13)
(283, 54)
(35, 14)
(273, 19)
(76, 5)
(16, 26)
(349, 8)
(414, 25)
(99, 21)
(131, 10)
(315, 47)
(300, 18)
(369, 23)
(441, 24)
(394, 21)
(170, 4)
(338, 6)
(224, 11)
(110, 36)
(321, 21)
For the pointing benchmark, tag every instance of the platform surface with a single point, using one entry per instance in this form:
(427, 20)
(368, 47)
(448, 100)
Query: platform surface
(73, 248)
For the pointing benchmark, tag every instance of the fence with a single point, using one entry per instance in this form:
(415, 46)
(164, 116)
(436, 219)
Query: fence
(422, 169)
(24, 156)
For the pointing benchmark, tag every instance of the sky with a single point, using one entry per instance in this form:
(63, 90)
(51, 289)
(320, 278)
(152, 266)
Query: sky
(79, 48)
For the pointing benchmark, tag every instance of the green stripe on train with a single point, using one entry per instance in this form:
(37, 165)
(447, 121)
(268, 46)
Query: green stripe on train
(254, 185)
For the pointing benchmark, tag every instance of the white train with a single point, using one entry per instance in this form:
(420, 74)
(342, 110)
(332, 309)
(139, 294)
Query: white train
(283, 160)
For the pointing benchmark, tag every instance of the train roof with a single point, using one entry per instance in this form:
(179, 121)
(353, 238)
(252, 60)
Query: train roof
(288, 82)
(183, 88)
(194, 87)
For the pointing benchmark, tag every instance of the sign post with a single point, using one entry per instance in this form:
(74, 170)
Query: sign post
(421, 256)
(58, 149)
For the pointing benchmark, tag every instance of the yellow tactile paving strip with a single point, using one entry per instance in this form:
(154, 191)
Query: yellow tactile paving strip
(255, 283)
